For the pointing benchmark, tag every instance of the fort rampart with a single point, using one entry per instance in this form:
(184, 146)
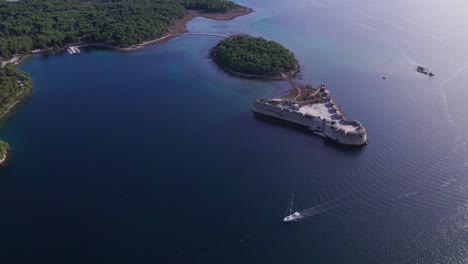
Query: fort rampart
(333, 124)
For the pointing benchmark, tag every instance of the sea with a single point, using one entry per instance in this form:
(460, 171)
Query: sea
(155, 156)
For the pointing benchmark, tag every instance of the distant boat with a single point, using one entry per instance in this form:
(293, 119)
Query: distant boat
(425, 71)
(290, 216)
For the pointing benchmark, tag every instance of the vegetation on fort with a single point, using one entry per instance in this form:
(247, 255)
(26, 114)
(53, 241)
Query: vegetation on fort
(14, 85)
(29, 24)
(254, 56)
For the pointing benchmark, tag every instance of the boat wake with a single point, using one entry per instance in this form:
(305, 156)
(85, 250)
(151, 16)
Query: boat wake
(321, 208)
(316, 211)
(460, 149)
(443, 91)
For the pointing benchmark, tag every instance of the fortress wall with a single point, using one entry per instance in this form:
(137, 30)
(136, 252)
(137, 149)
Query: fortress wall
(337, 116)
(357, 137)
(312, 122)
(348, 138)
(348, 122)
(331, 102)
(325, 127)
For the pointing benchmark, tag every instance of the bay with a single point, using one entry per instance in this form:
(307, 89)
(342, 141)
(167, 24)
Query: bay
(155, 157)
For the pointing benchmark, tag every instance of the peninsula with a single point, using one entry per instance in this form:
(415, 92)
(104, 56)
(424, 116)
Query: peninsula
(315, 109)
(250, 57)
(15, 85)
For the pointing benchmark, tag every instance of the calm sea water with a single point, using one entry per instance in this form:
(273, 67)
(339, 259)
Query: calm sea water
(155, 157)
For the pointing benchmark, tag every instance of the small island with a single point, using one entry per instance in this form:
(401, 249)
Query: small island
(251, 57)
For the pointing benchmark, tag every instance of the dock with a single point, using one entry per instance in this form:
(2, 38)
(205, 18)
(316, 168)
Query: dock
(73, 50)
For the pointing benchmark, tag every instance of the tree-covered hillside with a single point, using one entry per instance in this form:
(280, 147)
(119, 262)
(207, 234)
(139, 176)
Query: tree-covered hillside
(30, 24)
(256, 56)
(14, 85)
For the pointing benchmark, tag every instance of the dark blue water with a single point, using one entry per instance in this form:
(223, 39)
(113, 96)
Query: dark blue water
(155, 157)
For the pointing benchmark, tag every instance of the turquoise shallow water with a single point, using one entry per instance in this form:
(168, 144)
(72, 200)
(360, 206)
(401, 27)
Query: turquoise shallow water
(155, 156)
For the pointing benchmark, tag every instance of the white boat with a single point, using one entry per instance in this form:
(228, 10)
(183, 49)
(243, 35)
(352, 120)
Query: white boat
(290, 216)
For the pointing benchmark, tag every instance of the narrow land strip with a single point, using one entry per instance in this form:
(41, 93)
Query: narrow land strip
(179, 29)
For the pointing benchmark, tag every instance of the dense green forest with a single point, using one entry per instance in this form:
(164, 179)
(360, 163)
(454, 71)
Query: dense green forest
(14, 85)
(249, 55)
(30, 24)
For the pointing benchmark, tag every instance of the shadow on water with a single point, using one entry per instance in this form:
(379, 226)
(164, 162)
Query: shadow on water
(305, 130)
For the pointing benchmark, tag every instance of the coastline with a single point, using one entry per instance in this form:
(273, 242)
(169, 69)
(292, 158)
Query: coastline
(178, 29)
(9, 108)
(283, 76)
(20, 97)
(3, 159)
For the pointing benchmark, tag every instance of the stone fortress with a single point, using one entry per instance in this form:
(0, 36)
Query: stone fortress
(316, 109)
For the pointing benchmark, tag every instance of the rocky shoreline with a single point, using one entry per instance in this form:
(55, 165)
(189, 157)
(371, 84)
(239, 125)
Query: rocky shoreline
(3, 159)
(282, 76)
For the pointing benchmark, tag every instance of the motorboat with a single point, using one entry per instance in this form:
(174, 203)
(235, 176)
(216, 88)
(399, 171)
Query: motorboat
(291, 216)
(424, 70)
